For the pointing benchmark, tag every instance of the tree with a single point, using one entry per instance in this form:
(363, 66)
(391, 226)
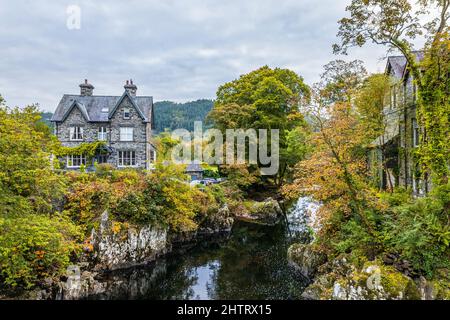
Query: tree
(26, 176)
(335, 173)
(341, 80)
(370, 101)
(35, 241)
(395, 23)
(262, 99)
(434, 151)
(170, 115)
(164, 144)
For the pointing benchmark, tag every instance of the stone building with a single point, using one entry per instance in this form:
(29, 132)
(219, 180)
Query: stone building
(124, 122)
(392, 155)
(194, 170)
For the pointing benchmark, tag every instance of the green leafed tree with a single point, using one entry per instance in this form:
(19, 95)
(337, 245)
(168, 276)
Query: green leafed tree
(35, 242)
(26, 176)
(264, 99)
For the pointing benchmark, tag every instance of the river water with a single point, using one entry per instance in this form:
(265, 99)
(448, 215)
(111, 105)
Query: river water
(250, 263)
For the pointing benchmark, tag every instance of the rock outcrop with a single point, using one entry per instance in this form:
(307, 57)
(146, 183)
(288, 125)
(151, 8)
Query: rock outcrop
(85, 284)
(115, 248)
(265, 212)
(373, 281)
(219, 221)
(305, 259)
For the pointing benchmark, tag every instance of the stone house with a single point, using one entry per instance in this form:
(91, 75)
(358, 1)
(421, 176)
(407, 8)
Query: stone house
(124, 122)
(392, 154)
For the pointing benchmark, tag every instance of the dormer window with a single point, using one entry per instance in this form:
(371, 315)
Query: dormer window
(76, 133)
(126, 113)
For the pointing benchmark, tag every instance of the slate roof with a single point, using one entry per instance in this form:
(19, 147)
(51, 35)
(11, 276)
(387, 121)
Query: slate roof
(92, 106)
(194, 167)
(397, 64)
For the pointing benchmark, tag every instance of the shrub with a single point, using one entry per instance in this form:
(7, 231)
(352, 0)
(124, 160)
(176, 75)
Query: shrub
(419, 231)
(87, 200)
(33, 247)
(144, 207)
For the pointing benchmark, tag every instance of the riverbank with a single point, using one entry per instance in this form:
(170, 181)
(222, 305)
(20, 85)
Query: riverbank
(342, 277)
(113, 248)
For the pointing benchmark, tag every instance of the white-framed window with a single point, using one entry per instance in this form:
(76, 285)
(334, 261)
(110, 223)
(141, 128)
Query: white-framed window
(102, 134)
(127, 158)
(152, 156)
(76, 133)
(126, 113)
(75, 161)
(415, 92)
(394, 97)
(415, 133)
(126, 134)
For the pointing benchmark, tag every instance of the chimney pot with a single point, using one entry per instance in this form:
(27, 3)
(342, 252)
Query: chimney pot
(86, 89)
(130, 87)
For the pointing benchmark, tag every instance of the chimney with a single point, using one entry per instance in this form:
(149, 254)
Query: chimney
(86, 89)
(130, 87)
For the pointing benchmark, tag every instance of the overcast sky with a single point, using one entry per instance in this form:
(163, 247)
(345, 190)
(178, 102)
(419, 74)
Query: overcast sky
(173, 49)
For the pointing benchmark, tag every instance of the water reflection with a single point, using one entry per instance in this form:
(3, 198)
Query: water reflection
(250, 264)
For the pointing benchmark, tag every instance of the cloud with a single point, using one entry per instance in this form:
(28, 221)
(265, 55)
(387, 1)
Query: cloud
(173, 50)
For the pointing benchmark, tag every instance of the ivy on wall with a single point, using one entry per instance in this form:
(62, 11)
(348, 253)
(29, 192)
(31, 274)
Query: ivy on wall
(88, 149)
(434, 110)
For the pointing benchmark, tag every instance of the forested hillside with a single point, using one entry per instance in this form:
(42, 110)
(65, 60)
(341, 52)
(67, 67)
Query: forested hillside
(171, 115)
(46, 116)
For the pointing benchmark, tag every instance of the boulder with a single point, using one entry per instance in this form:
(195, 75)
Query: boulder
(264, 212)
(305, 259)
(374, 281)
(217, 222)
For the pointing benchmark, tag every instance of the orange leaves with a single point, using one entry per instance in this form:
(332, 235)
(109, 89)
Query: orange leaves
(87, 245)
(116, 227)
(39, 254)
(336, 168)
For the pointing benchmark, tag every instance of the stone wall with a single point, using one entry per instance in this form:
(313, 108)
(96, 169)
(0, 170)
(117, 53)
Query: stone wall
(140, 141)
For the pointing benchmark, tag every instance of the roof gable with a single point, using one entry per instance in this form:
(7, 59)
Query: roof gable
(93, 107)
(80, 107)
(119, 102)
(397, 65)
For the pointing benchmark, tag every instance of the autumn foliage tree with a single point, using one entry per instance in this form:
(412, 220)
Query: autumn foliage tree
(335, 173)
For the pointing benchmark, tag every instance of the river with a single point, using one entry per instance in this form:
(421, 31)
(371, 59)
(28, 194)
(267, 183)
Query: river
(250, 263)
